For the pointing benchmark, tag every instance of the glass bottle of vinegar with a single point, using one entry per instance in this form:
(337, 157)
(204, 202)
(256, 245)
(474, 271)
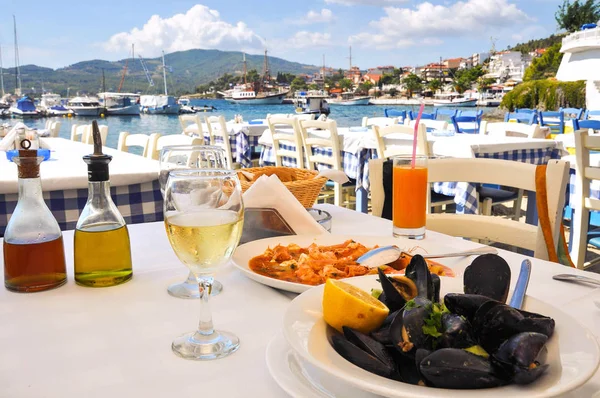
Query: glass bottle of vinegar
(102, 248)
(34, 256)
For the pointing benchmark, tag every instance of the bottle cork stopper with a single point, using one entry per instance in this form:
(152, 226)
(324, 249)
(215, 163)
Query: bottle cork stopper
(28, 165)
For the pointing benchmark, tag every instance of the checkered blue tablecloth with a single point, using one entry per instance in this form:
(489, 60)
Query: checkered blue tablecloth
(465, 194)
(138, 203)
(571, 199)
(242, 146)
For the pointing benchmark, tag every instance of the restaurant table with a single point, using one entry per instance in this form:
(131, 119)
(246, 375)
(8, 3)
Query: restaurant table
(75, 341)
(134, 184)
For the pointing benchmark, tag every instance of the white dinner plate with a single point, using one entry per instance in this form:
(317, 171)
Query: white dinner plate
(573, 353)
(302, 380)
(245, 252)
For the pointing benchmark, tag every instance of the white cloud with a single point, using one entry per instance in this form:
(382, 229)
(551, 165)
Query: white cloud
(312, 17)
(199, 27)
(304, 39)
(429, 23)
(365, 2)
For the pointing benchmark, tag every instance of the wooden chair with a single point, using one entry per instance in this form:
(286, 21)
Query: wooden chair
(217, 127)
(502, 172)
(76, 133)
(505, 129)
(328, 138)
(521, 117)
(430, 125)
(191, 124)
(172, 139)
(591, 115)
(554, 120)
(54, 128)
(280, 138)
(465, 124)
(424, 116)
(387, 132)
(143, 141)
(585, 142)
(401, 115)
(379, 121)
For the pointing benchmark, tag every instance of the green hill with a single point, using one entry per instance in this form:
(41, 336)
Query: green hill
(185, 71)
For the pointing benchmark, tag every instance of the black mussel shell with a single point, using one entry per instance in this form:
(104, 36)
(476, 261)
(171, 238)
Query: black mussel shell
(418, 271)
(458, 369)
(479, 316)
(536, 323)
(412, 322)
(369, 345)
(434, 289)
(383, 333)
(526, 376)
(407, 368)
(521, 349)
(393, 299)
(362, 359)
(493, 327)
(457, 332)
(488, 275)
(419, 356)
(464, 304)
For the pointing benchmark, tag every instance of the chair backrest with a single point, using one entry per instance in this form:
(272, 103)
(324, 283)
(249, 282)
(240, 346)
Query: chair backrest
(478, 113)
(306, 116)
(191, 124)
(447, 112)
(472, 128)
(282, 139)
(505, 129)
(379, 121)
(143, 141)
(54, 128)
(217, 127)
(554, 120)
(88, 138)
(386, 149)
(279, 115)
(501, 172)
(572, 113)
(526, 110)
(586, 124)
(76, 133)
(172, 139)
(430, 125)
(395, 113)
(431, 116)
(327, 138)
(520, 117)
(593, 115)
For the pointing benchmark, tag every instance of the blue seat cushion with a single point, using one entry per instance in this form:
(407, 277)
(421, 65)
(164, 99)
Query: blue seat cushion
(497, 195)
(331, 184)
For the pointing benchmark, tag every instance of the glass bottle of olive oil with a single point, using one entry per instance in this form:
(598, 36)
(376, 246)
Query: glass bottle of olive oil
(102, 248)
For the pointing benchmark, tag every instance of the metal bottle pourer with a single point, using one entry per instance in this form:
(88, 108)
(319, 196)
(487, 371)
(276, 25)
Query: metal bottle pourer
(98, 161)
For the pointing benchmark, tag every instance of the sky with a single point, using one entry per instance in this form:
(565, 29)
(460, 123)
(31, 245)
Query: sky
(381, 32)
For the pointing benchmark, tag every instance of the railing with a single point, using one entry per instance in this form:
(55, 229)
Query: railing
(582, 38)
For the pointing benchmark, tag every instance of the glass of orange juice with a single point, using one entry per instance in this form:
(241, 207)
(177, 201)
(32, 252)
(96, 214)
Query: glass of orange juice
(410, 196)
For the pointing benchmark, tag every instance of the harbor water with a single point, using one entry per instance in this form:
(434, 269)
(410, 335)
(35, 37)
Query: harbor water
(345, 116)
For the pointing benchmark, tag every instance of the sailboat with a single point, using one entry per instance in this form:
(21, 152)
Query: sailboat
(247, 95)
(162, 104)
(120, 104)
(24, 107)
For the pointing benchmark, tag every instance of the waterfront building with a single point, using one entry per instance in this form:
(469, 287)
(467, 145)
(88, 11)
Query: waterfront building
(354, 74)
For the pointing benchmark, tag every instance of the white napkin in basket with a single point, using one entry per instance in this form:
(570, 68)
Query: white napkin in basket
(269, 191)
(9, 140)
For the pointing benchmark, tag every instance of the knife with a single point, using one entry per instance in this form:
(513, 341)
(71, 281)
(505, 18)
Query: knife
(516, 300)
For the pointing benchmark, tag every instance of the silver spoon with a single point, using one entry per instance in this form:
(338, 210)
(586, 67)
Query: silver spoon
(576, 278)
(388, 254)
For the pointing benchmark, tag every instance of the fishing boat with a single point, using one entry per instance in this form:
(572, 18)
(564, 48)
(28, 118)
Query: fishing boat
(85, 106)
(51, 105)
(24, 108)
(163, 104)
(259, 93)
(120, 104)
(350, 99)
(313, 102)
(453, 99)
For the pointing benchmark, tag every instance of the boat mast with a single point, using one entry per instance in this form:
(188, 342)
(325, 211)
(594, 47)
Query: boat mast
(123, 75)
(245, 71)
(350, 57)
(17, 67)
(1, 73)
(164, 72)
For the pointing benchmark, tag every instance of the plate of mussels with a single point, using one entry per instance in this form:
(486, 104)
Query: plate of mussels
(448, 337)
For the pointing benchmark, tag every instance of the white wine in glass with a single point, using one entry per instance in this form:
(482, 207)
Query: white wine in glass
(203, 220)
(187, 157)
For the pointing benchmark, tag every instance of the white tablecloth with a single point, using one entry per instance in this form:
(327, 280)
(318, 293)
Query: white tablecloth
(76, 341)
(66, 169)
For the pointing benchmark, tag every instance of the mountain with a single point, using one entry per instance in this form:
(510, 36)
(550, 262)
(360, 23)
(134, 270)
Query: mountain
(185, 71)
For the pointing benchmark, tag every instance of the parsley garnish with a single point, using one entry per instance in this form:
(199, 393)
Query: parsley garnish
(433, 324)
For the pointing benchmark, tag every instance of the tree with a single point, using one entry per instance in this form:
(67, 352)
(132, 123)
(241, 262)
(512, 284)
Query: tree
(485, 82)
(313, 86)
(298, 84)
(365, 87)
(346, 84)
(571, 16)
(412, 83)
(435, 85)
(545, 66)
(392, 92)
(252, 76)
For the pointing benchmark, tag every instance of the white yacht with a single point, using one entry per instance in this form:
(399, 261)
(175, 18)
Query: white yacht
(123, 104)
(453, 99)
(163, 104)
(24, 108)
(312, 102)
(581, 61)
(51, 105)
(85, 106)
(350, 99)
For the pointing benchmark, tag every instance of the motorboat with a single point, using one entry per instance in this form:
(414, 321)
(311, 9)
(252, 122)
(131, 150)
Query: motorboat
(247, 96)
(51, 105)
(453, 99)
(24, 108)
(186, 107)
(159, 104)
(120, 104)
(350, 99)
(313, 102)
(85, 106)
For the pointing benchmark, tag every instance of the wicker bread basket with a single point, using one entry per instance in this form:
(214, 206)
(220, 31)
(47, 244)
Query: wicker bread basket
(305, 188)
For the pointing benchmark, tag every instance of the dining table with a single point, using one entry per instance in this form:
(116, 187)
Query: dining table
(75, 341)
(134, 183)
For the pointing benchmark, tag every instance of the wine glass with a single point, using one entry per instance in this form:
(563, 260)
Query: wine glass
(183, 157)
(204, 216)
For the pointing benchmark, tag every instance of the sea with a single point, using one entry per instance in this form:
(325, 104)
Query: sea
(345, 116)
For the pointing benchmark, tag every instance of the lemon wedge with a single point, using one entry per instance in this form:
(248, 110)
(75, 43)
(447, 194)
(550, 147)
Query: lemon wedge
(347, 305)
